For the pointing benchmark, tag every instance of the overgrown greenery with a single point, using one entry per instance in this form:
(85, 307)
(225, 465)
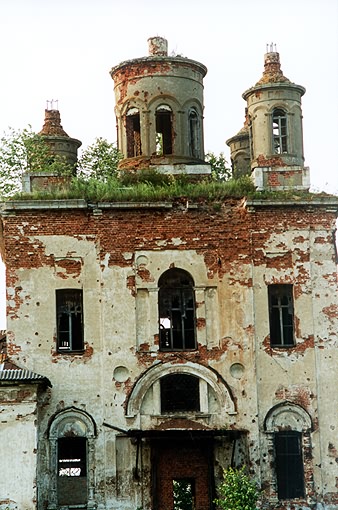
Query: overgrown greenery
(220, 170)
(98, 177)
(237, 491)
(99, 160)
(24, 151)
(183, 495)
(116, 190)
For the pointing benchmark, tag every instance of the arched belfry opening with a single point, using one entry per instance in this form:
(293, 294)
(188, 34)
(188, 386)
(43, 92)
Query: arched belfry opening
(159, 111)
(164, 130)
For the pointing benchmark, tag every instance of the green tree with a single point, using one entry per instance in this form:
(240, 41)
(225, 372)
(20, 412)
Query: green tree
(237, 491)
(23, 151)
(220, 170)
(183, 495)
(100, 160)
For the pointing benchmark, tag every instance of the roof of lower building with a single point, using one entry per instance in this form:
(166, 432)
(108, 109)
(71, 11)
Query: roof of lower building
(19, 375)
(11, 373)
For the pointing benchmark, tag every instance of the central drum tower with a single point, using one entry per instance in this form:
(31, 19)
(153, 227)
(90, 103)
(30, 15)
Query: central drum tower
(159, 111)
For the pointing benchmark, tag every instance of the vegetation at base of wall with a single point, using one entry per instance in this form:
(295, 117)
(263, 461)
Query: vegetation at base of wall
(290, 195)
(237, 491)
(115, 190)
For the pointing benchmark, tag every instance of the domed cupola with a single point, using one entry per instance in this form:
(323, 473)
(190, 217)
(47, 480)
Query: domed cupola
(159, 111)
(240, 150)
(59, 142)
(275, 129)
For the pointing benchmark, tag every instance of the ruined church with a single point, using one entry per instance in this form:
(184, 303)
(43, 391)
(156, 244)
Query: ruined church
(150, 345)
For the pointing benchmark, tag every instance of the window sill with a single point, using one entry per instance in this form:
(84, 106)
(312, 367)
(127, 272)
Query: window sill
(68, 351)
(282, 346)
(194, 349)
(182, 416)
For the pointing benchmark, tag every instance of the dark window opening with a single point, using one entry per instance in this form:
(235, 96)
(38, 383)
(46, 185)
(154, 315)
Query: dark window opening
(69, 320)
(179, 393)
(72, 471)
(184, 493)
(177, 311)
(281, 315)
(133, 130)
(164, 131)
(72, 456)
(279, 129)
(194, 142)
(289, 465)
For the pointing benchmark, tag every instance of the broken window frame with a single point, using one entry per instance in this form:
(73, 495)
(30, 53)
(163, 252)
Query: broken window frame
(194, 134)
(177, 311)
(69, 320)
(281, 315)
(289, 464)
(164, 130)
(133, 133)
(180, 393)
(72, 465)
(279, 131)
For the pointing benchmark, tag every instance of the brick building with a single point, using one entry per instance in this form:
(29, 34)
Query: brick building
(150, 345)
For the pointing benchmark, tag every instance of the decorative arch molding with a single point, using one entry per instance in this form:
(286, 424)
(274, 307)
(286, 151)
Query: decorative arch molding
(193, 103)
(72, 421)
(167, 99)
(189, 261)
(134, 102)
(280, 105)
(142, 385)
(287, 416)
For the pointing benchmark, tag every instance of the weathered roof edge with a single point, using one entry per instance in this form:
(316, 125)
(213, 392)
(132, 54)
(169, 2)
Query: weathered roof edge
(20, 375)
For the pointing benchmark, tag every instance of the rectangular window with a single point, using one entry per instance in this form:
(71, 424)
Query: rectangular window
(69, 320)
(179, 393)
(281, 315)
(289, 465)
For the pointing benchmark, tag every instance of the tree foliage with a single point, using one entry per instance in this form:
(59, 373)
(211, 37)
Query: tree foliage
(237, 491)
(220, 170)
(183, 495)
(99, 160)
(23, 151)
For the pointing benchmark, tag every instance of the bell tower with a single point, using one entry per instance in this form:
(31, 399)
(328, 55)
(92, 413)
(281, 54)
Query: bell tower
(159, 111)
(274, 128)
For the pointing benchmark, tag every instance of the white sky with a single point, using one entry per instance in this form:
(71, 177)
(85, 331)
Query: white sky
(64, 49)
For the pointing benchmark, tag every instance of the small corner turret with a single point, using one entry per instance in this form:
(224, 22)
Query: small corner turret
(61, 148)
(273, 138)
(59, 142)
(159, 112)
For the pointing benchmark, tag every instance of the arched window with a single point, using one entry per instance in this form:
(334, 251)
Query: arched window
(287, 424)
(133, 131)
(194, 134)
(279, 131)
(177, 311)
(71, 439)
(164, 130)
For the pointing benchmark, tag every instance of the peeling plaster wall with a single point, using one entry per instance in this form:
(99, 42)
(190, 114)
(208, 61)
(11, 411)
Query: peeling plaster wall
(18, 439)
(116, 257)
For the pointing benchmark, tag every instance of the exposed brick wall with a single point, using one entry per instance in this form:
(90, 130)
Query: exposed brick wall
(182, 460)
